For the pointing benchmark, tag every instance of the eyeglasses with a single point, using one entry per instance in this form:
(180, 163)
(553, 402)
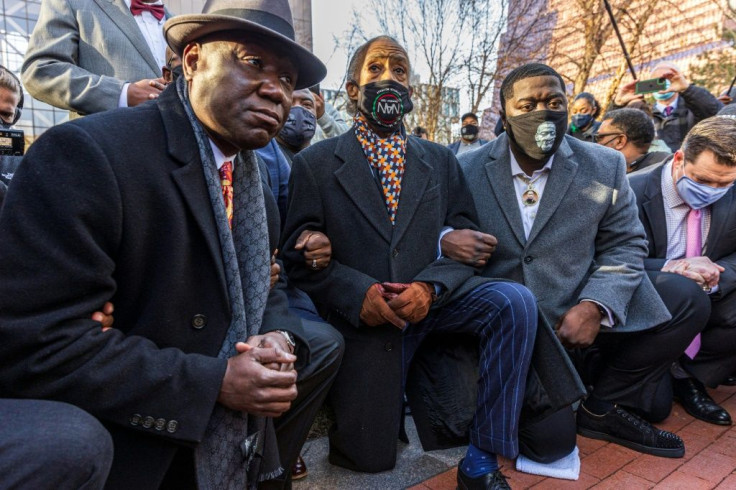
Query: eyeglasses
(597, 137)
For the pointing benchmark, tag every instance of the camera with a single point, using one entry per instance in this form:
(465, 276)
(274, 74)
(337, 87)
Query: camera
(12, 142)
(652, 85)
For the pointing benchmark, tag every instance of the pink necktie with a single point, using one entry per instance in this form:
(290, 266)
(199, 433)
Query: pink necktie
(667, 111)
(694, 248)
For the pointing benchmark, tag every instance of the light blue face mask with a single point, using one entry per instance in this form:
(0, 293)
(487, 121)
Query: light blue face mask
(698, 195)
(664, 96)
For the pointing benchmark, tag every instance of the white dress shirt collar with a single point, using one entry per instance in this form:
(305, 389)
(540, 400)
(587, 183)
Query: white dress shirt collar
(661, 107)
(220, 157)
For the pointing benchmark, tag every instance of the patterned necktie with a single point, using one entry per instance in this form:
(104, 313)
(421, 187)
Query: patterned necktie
(387, 156)
(694, 248)
(226, 180)
(668, 111)
(137, 7)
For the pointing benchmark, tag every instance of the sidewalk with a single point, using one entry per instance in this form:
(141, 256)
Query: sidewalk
(709, 462)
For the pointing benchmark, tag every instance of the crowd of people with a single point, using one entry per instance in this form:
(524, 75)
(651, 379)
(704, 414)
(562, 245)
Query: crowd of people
(213, 252)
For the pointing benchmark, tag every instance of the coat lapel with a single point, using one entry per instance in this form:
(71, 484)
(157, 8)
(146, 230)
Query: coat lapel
(498, 171)
(189, 177)
(560, 177)
(653, 207)
(120, 15)
(357, 180)
(720, 213)
(413, 184)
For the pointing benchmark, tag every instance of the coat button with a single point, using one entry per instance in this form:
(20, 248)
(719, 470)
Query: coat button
(148, 422)
(172, 426)
(395, 252)
(160, 424)
(135, 419)
(199, 321)
(389, 346)
(528, 259)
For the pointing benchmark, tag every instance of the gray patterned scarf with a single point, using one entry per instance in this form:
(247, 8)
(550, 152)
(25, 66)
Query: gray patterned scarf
(238, 450)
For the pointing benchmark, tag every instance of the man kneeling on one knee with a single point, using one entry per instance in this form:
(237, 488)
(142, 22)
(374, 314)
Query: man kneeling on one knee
(383, 199)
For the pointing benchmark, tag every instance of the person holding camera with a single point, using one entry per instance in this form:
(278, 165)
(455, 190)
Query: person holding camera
(677, 109)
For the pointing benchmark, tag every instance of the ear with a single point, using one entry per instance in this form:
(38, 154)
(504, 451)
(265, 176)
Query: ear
(189, 59)
(502, 113)
(411, 91)
(352, 90)
(624, 141)
(678, 159)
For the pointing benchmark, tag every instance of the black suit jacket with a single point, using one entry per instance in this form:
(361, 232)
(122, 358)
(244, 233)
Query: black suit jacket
(720, 243)
(114, 207)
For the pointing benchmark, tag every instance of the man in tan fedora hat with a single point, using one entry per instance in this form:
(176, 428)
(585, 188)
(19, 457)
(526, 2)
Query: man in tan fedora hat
(172, 224)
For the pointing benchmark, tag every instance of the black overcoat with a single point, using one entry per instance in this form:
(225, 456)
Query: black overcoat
(114, 207)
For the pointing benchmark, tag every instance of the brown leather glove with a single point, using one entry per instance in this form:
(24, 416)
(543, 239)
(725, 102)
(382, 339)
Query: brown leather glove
(413, 303)
(375, 310)
(392, 289)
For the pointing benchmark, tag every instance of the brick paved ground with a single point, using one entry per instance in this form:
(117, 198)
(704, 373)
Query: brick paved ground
(709, 462)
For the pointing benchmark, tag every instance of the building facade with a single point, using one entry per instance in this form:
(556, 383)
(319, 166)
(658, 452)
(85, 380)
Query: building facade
(676, 34)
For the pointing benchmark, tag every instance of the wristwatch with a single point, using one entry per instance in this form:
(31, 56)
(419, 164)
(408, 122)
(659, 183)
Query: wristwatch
(289, 339)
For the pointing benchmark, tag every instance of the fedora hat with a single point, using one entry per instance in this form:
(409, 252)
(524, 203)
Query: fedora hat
(267, 18)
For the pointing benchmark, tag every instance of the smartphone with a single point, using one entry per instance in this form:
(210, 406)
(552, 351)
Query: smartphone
(314, 89)
(652, 85)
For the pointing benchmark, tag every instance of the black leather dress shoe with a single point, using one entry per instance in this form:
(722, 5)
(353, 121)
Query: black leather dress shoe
(490, 481)
(622, 427)
(696, 401)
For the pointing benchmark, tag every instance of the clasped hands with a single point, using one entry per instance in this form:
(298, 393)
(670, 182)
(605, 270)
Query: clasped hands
(260, 379)
(702, 270)
(396, 304)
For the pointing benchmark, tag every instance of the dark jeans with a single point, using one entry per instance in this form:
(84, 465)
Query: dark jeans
(46, 444)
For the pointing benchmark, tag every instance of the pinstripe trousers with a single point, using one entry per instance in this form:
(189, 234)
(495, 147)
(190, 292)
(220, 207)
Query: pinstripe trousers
(503, 315)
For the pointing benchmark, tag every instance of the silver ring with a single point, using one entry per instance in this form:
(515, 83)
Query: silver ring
(314, 264)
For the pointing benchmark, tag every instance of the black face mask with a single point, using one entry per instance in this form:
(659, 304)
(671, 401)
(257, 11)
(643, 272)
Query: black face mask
(538, 133)
(299, 127)
(176, 73)
(469, 132)
(384, 103)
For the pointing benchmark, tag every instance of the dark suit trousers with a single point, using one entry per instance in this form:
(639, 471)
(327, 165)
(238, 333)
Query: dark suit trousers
(716, 359)
(627, 367)
(45, 444)
(314, 381)
(504, 317)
